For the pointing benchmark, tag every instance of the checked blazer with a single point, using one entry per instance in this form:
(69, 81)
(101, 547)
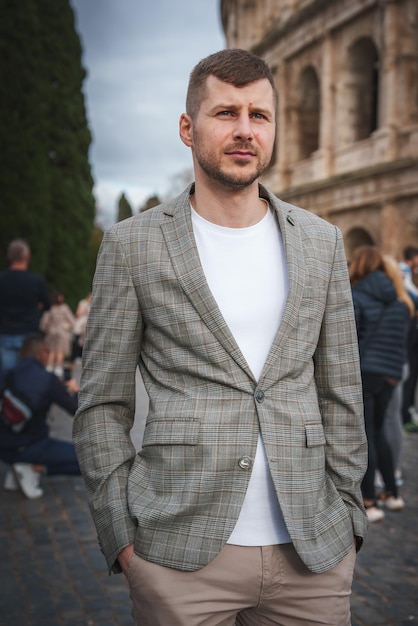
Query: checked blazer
(179, 497)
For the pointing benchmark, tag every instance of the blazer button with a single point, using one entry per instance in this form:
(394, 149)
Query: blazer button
(259, 396)
(245, 463)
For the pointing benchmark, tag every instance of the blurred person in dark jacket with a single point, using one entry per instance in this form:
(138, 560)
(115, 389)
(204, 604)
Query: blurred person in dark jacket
(382, 323)
(393, 416)
(31, 452)
(23, 297)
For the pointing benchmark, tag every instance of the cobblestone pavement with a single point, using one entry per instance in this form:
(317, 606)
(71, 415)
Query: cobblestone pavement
(385, 589)
(53, 574)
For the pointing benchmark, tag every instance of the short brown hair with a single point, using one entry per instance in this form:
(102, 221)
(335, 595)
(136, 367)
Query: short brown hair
(32, 345)
(234, 66)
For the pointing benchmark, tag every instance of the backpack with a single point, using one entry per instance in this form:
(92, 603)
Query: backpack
(15, 409)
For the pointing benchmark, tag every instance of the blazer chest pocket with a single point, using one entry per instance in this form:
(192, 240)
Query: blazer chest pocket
(315, 435)
(171, 432)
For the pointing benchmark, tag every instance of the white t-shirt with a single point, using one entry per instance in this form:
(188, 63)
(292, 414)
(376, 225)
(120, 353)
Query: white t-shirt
(246, 271)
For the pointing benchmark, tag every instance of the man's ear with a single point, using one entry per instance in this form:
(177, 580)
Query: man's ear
(186, 130)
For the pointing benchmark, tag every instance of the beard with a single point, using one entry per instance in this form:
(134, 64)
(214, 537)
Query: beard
(233, 179)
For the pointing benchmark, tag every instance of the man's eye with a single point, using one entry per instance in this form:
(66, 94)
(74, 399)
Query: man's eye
(259, 116)
(225, 113)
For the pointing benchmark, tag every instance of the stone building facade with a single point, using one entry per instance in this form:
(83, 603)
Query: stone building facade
(347, 127)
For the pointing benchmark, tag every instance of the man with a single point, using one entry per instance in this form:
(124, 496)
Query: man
(31, 452)
(244, 503)
(23, 297)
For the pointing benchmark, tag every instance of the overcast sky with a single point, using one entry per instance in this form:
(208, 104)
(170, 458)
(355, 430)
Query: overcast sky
(138, 56)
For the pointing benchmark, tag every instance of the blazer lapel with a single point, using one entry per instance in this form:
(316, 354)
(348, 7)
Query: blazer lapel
(178, 234)
(179, 238)
(293, 248)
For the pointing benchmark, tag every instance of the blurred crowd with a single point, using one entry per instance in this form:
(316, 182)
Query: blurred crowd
(385, 301)
(27, 307)
(40, 341)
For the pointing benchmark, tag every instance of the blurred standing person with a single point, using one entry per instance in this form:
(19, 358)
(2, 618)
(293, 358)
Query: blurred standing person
(409, 266)
(382, 322)
(393, 418)
(58, 324)
(79, 329)
(23, 297)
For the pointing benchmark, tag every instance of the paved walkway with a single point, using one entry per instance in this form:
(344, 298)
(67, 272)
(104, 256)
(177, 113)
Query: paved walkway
(53, 574)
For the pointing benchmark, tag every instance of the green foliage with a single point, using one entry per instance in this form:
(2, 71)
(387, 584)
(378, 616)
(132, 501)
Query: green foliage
(124, 208)
(45, 177)
(149, 203)
(25, 199)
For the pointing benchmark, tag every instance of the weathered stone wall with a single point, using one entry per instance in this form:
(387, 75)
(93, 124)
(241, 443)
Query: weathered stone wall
(347, 127)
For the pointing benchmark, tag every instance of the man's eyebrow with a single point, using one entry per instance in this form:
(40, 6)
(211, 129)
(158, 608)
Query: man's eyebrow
(231, 105)
(225, 105)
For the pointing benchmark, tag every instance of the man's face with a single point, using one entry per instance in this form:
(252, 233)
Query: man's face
(233, 134)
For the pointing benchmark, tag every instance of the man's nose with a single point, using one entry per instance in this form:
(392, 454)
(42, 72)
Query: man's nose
(243, 128)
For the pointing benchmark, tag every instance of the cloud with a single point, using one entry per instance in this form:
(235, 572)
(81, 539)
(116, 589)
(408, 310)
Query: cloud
(138, 57)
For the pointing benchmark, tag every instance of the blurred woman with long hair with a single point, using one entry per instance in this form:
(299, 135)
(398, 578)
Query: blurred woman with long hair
(382, 322)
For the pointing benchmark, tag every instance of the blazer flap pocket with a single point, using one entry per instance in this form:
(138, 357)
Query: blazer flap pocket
(171, 432)
(315, 435)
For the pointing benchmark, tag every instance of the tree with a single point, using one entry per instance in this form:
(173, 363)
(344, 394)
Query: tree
(68, 142)
(149, 203)
(25, 199)
(45, 174)
(124, 208)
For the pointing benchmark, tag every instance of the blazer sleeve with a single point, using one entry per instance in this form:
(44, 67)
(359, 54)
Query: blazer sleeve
(338, 381)
(106, 411)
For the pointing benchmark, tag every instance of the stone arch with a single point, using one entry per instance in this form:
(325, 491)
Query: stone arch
(356, 237)
(308, 112)
(363, 88)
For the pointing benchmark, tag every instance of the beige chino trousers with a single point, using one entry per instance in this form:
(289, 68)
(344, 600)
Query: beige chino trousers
(246, 586)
